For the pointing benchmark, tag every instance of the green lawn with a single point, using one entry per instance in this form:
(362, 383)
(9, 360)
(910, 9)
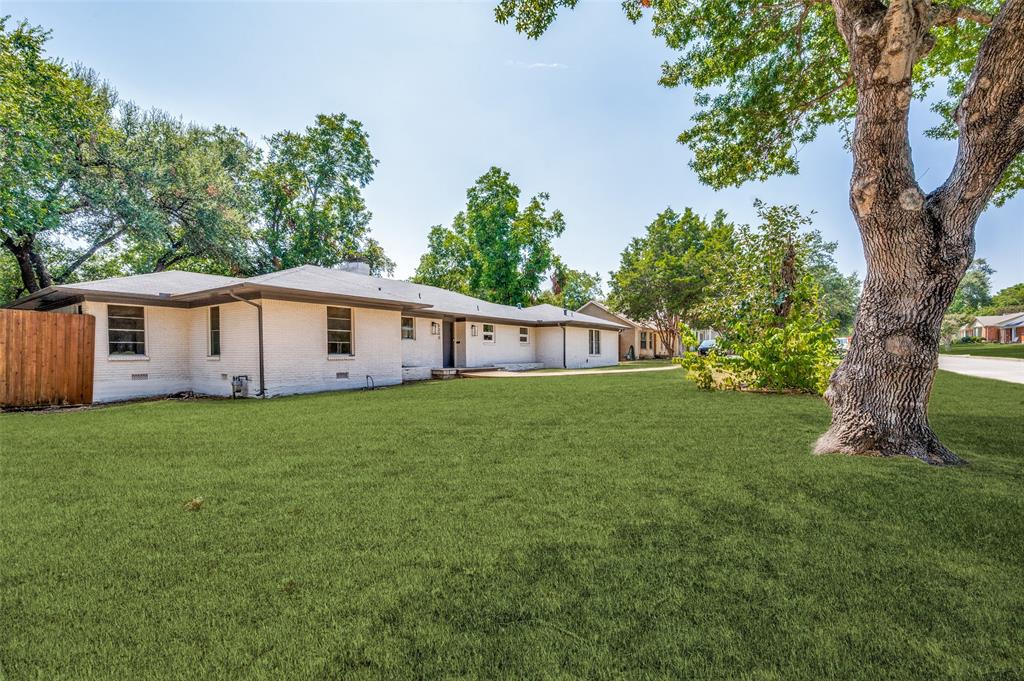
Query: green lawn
(624, 526)
(1015, 350)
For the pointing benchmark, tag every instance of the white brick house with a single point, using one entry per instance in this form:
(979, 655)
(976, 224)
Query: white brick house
(308, 329)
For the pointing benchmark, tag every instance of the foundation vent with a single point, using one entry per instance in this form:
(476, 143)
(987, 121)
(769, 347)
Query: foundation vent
(341, 374)
(140, 377)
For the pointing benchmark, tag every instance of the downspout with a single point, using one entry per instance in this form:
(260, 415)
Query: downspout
(564, 365)
(259, 321)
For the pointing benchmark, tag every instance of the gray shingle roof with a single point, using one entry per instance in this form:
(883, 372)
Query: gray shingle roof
(999, 319)
(324, 280)
(172, 282)
(310, 278)
(321, 280)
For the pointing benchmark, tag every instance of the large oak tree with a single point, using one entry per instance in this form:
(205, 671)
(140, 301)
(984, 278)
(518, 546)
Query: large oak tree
(770, 73)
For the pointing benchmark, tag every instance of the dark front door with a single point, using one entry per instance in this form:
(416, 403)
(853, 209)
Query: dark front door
(448, 343)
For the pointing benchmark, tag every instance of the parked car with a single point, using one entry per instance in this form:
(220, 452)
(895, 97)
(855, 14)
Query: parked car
(706, 346)
(843, 344)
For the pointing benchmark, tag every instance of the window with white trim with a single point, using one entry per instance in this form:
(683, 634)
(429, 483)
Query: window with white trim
(339, 331)
(126, 330)
(524, 335)
(643, 340)
(595, 342)
(408, 328)
(488, 333)
(214, 349)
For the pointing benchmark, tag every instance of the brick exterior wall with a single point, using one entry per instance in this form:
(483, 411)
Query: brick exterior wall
(295, 350)
(164, 369)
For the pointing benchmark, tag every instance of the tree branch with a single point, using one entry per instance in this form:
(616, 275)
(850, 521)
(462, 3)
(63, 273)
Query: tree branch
(990, 117)
(944, 15)
(80, 260)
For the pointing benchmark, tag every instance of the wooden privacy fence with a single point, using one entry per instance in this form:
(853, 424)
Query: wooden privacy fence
(45, 358)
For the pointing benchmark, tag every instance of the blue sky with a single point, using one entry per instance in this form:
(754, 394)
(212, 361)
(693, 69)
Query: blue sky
(445, 93)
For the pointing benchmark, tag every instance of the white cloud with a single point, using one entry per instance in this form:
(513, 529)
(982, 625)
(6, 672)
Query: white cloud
(535, 65)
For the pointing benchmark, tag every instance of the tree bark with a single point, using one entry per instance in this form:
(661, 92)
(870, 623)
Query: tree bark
(917, 247)
(23, 256)
(879, 394)
(668, 329)
(42, 273)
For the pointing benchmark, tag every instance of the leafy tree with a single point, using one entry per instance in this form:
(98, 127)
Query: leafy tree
(50, 121)
(663, 274)
(1009, 299)
(768, 306)
(571, 289)
(975, 289)
(447, 260)
(93, 187)
(840, 292)
(309, 193)
(197, 207)
(11, 285)
(770, 73)
(495, 249)
(951, 324)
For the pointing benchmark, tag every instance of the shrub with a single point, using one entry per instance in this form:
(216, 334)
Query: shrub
(776, 332)
(798, 356)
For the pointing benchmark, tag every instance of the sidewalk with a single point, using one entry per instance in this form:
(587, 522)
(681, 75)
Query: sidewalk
(567, 372)
(998, 368)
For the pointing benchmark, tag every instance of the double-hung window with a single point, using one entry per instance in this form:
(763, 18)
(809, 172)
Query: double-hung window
(488, 333)
(339, 331)
(524, 335)
(595, 342)
(643, 340)
(126, 329)
(214, 349)
(408, 328)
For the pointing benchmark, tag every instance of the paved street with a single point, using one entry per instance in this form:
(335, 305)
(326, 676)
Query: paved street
(1001, 369)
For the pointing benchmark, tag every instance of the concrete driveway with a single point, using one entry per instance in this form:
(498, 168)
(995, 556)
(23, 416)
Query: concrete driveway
(999, 368)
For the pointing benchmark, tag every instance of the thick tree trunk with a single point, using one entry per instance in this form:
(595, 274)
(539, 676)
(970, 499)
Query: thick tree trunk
(42, 273)
(879, 394)
(917, 247)
(23, 256)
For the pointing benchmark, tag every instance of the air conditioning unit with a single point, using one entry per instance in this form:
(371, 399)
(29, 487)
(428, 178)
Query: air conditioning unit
(239, 386)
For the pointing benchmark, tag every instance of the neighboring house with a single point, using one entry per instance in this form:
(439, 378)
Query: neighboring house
(643, 338)
(1004, 328)
(308, 329)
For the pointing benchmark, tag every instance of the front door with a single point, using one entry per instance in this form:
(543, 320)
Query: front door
(448, 344)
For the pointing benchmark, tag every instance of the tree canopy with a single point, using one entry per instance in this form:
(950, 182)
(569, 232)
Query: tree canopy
(975, 289)
(91, 186)
(663, 274)
(1009, 299)
(769, 74)
(495, 249)
(570, 288)
(51, 123)
(309, 194)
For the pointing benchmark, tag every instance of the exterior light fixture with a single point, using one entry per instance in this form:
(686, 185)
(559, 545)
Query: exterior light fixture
(435, 329)
(472, 330)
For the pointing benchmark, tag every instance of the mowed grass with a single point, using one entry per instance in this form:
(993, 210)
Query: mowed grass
(621, 526)
(1014, 350)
